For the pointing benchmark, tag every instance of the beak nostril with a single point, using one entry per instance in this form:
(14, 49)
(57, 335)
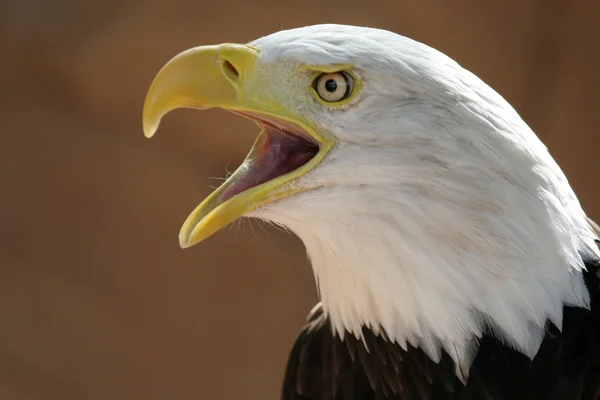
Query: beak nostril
(231, 72)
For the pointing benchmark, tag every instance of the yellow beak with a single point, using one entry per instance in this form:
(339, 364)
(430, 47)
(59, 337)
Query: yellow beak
(216, 76)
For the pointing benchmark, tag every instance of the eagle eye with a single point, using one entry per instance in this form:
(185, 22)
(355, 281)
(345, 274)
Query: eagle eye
(334, 86)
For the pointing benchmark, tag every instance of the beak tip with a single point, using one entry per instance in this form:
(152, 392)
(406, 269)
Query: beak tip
(183, 243)
(150, 128)
(185, 240)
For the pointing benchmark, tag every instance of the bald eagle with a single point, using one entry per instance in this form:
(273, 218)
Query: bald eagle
(452, 258)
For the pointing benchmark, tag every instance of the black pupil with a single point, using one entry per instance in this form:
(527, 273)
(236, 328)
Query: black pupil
(331, 85)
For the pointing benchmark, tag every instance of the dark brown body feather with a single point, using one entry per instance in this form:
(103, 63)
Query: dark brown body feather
(567, 366)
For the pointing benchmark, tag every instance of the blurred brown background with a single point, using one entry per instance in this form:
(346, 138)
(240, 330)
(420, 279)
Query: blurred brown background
(97, 300)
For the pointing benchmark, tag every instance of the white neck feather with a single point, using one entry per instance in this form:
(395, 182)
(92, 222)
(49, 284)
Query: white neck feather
(431, 277)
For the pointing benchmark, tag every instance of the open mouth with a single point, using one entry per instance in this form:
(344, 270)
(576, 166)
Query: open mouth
(283, 152)
(280, 148)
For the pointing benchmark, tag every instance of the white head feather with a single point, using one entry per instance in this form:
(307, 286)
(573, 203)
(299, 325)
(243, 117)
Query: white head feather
(439, 210)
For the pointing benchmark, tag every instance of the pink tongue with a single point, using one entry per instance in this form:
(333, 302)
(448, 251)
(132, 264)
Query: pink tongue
(274, 154)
